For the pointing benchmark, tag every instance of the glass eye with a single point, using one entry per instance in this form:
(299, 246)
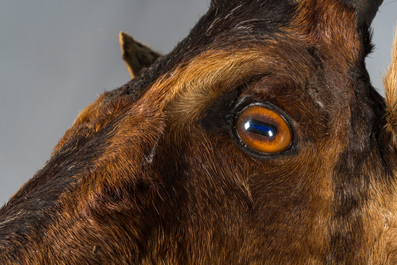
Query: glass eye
(263, 130)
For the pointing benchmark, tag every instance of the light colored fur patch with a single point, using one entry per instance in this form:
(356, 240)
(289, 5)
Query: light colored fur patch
(390, 82)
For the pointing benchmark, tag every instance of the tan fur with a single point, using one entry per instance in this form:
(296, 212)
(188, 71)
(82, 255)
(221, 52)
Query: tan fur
(390, 83)
(332, 31)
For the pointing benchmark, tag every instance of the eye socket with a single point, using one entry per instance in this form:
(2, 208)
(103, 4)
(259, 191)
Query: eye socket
(263, 130)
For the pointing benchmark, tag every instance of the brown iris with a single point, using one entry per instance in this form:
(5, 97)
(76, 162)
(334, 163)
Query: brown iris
(263, 130)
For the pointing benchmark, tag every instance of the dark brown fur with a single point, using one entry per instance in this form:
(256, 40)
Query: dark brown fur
(135, 54)
(150, 173)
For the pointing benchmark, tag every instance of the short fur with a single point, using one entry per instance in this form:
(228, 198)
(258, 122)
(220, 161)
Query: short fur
(150, 173)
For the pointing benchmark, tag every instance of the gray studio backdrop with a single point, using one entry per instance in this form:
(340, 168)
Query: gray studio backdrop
(56, 57)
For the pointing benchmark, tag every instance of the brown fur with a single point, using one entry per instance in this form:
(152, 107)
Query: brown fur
(150, 173)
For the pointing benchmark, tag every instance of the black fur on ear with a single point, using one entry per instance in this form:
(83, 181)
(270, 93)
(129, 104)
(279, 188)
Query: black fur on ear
(136, 55)
(365, 9)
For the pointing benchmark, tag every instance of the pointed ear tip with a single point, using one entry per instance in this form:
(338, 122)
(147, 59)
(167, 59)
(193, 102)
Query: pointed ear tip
(125, 37)
(124, 34)
(126, 40)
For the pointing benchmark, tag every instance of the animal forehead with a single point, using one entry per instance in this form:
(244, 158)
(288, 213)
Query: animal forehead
(289, 54)
(249, 15)
(227, 23)
(235, 42)
(197, 84)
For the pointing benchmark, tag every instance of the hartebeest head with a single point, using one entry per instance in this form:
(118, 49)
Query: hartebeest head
(258, 140)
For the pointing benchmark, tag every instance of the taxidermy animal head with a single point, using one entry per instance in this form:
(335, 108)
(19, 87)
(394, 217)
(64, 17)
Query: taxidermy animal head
(258, 140)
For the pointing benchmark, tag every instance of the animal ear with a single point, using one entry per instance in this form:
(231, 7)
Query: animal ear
(390, 82)
(135, 54)
(365, 9)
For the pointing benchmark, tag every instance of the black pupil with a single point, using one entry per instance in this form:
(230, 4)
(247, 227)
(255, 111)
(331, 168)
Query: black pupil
(260, 128)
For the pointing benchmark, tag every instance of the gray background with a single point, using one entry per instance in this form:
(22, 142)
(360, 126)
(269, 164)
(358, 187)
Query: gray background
(56, 57)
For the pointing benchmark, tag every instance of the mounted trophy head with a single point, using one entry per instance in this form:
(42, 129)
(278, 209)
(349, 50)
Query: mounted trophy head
(258, 140)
